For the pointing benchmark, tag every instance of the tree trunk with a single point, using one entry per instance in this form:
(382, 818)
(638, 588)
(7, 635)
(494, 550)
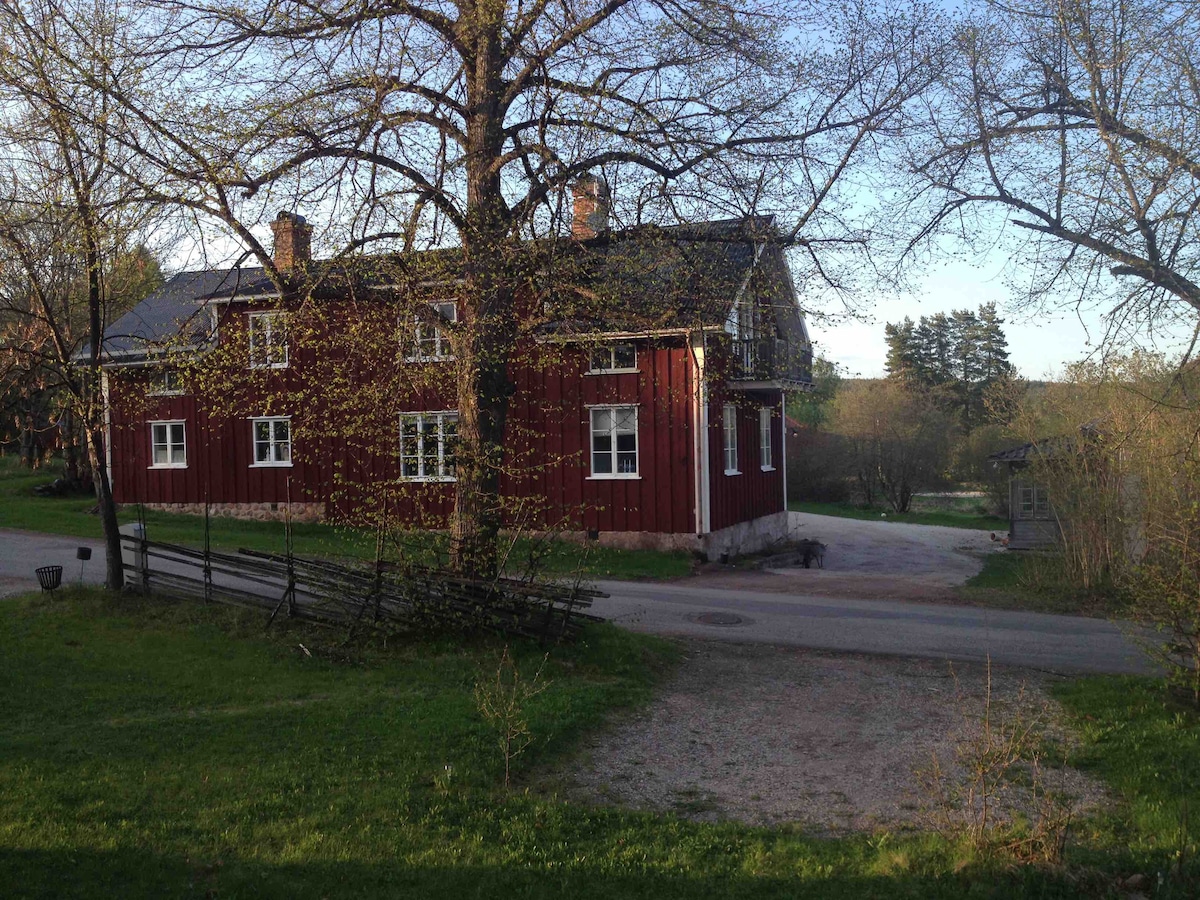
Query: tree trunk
(114, 577)
(486, 333)
(70, 444)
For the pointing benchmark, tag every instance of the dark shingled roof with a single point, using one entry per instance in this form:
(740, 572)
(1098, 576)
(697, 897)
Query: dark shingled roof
(682, 276)
(173, 315)
(1013, 454)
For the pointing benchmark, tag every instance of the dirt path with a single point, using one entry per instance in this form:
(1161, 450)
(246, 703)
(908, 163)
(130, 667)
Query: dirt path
(767, 735)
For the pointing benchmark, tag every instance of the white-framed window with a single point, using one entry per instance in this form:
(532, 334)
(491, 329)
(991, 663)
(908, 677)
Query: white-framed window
(430, 341)
(272, 441)
(729, 428)
(428, 443)
(614, 442)
(765, 461)
(168, 447)
(165, 381)
(606, 358)
(268, 340)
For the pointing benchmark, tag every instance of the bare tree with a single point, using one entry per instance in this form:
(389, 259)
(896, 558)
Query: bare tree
(416, 125)
(897, 438)
(68, 217)
(1074, 126)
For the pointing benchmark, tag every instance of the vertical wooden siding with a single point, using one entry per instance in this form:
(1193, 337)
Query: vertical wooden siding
(753, 493)
(549, 464)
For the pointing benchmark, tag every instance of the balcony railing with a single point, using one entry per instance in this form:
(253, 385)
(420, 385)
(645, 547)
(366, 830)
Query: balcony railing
(771, 359)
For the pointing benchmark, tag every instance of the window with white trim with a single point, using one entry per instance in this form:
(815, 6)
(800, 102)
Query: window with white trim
(431, 342)
(168, 448)
(729, 427)
(428, 442)
(614, 442)
(272, 441)
(268, 340)
(765, 461)
(166, 381)
(613, 358)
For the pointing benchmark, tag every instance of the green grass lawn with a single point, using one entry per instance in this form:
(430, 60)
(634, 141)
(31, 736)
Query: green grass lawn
(21, 508)
(967, 517)
(154, 749)
(1029, 581)
(1145, 744)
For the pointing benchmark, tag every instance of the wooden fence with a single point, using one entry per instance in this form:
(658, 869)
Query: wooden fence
(380, 595)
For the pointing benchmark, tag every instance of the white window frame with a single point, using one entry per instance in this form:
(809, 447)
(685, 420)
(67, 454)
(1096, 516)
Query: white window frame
(164, 390)
(766, 461)
(425, 333)
(729, 438)
(609, 365)
(417, 452)
(168, 444)
(272, 443)
(613, 453)
(273, 327)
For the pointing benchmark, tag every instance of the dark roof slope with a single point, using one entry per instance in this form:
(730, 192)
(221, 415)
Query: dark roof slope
(682, 276)
(172, 316)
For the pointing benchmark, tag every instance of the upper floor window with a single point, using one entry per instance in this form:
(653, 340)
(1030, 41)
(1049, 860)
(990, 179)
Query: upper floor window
(166, 381)
(272, 441)
(432, 342)
(729, 428)
(168, 449)
(428, 441)
(613, 358)
(268, 340)
(614, 442)
(765, 460)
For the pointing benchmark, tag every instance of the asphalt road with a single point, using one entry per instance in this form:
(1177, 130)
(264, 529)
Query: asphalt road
(21, 552)
(1067, 644)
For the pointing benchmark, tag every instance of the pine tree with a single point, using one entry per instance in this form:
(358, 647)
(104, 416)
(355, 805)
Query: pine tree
(959, 356)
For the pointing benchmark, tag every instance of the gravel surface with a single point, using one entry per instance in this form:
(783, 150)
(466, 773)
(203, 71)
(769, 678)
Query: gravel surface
(871, 560)
(770, 735)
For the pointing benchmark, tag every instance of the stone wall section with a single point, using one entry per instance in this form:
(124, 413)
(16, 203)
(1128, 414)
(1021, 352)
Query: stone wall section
(258, 512)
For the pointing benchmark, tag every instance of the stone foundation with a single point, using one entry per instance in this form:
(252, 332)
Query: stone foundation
(745, 537)
(259, 512)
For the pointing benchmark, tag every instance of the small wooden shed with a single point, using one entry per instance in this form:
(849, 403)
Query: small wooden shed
(1032, 523)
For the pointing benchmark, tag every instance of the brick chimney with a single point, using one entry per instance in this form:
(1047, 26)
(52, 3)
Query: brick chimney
(591, 206)
(293, 241)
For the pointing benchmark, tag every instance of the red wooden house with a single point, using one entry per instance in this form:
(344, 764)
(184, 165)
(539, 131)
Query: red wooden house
(657, 422)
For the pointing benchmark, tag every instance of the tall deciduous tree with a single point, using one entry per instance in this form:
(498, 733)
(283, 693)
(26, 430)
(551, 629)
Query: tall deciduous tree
(70, 218)
(462, 123)
(1071, 127)
(898, 437)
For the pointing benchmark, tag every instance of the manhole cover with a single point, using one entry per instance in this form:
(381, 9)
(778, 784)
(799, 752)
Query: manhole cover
(718, 618)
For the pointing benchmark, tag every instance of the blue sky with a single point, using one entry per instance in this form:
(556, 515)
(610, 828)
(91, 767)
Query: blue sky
(1040, 342)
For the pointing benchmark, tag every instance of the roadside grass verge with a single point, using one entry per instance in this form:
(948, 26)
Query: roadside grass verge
(154, 749)
(1145, 744)
(952, 518)
(1028, 580)
(21, 508)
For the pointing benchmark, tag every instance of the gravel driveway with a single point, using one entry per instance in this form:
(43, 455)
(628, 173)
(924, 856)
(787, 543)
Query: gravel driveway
(771, 735)
(872, 560)
(832, 741)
